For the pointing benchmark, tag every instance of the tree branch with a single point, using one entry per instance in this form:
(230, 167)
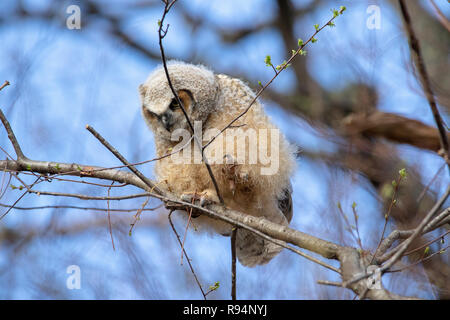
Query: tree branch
(424, 79)
(393, 127)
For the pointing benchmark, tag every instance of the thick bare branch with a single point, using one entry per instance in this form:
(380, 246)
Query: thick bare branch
(394, 128)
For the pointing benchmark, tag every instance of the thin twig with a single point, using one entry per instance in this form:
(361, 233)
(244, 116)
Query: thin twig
(427, 244)
(264, 87)
(162, 33)
(404, 245)
(169, 216)
(236, 223)
(330, 283)
(87, 197)
(89, 170)
(49, 179)
(76, 207)
(437, 222)
(422, 194)
(123, 160)
(356, 218)
(417, 231)
(233, 264)
(187, 227)
(387, 215)
(20, 198)
(349, 226)
(442, 18)
(12, 137)
(7, 184)
(137, 216)
(419, 261)
(6, 83)
(109, 218)
(7, 154)
(424, 79)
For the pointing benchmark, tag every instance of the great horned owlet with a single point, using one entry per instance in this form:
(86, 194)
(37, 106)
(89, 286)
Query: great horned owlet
(251, 160)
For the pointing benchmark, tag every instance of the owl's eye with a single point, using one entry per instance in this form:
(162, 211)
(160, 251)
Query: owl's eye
(185, 98)
(148, 113)
(174, 105)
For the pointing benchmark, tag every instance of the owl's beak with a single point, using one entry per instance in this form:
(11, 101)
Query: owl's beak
(167, 120)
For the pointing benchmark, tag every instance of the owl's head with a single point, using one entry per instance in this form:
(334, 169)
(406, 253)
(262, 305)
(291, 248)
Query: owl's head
(196, 87)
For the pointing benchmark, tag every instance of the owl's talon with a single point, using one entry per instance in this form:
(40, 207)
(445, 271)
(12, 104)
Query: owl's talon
(190, 197)
(204, 201)
(203, 198)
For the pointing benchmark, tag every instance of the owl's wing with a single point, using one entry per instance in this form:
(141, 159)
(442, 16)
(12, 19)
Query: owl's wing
(252, 249)
(285, 202)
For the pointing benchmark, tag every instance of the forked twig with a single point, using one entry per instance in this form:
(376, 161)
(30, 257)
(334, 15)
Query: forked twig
(169, 216)
(123, 160)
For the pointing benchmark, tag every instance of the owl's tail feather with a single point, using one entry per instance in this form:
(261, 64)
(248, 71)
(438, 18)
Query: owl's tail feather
(252, 250)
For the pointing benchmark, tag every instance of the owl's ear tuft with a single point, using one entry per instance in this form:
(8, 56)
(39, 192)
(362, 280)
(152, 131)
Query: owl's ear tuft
(142, 91)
